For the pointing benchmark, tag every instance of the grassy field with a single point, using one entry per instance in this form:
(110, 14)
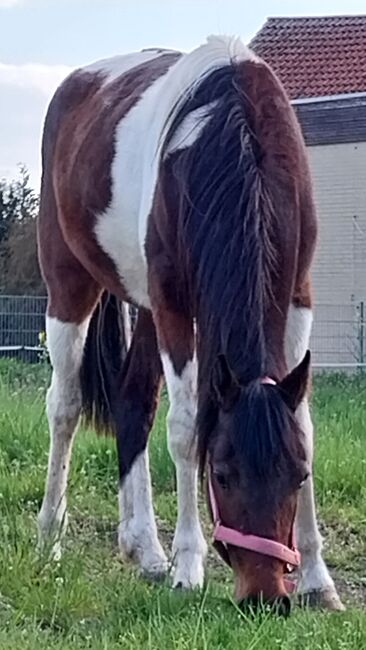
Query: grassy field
(91, 600)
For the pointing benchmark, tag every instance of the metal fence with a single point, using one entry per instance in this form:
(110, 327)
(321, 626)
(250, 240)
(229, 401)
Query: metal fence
(338, 338)
(22, 318)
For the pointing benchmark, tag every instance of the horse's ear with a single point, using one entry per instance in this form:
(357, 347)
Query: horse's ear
(295, 385)
(223, 383)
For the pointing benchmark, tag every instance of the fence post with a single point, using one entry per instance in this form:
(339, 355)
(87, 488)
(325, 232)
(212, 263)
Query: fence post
(361, 334)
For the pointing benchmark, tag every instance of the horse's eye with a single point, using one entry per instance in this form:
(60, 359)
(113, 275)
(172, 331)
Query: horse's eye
(303, 480)
(222, 480)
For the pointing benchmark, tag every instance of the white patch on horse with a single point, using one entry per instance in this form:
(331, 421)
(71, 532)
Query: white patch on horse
(190, 129)
(121, 229)
(189, 546)
(234, 47)
(65, 343)
(314, 573)
(127, 323)
(118, 228)
(115, 66)
(137, 534)
(299, 324)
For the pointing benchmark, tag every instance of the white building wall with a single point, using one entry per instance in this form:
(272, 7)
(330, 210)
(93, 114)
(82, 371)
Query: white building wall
(339, 271)
(339, 177)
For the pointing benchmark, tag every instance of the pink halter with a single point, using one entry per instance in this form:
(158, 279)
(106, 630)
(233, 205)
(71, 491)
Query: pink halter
(289, 555)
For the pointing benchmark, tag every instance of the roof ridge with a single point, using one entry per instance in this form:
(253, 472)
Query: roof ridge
(315, 17)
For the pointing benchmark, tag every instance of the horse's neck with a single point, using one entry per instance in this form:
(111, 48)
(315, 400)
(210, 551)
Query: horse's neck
(263, 356)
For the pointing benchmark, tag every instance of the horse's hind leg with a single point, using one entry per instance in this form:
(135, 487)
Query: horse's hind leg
(316, 586)
(66, 341)
(134, 415)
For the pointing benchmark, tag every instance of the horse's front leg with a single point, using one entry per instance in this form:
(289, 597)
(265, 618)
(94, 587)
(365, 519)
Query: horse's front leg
(316, 586)
(189, 546)
(176, 340)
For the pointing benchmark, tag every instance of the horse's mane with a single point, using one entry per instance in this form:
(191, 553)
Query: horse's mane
(226, 224)
(226, 232)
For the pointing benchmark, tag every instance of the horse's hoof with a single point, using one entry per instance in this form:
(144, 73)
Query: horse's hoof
(49, 550)
(181, 587)
(154, 575)
(188, 570)
(322, 599)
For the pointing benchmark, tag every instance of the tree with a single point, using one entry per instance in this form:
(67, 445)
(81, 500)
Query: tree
(18, 201)
(19, 270)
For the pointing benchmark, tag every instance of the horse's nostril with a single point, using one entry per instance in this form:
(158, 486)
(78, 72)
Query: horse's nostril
(256, 604)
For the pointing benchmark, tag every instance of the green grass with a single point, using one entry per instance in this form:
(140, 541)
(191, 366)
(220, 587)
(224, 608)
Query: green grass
(91, 600)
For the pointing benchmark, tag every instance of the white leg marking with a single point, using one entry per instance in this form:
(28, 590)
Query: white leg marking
(314, 573)
(65, 343)
(189, 546)
(137, 535)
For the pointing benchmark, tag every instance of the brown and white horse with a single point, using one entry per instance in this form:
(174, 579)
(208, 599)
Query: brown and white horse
(179, 183)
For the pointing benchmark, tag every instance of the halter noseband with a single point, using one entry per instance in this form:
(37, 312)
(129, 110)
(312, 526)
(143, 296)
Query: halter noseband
(222, 535)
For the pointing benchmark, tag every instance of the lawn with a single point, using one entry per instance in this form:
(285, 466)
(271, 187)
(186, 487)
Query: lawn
(91, 600)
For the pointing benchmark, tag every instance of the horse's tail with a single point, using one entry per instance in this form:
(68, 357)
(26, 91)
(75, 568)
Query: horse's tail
(104, 357)
(121, 374)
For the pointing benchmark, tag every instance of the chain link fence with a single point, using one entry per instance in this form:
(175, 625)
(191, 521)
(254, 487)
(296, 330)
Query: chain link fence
(22, 318)
(338, 338)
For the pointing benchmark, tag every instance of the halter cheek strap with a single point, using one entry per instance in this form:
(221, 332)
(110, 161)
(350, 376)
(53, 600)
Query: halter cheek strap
(222, 535)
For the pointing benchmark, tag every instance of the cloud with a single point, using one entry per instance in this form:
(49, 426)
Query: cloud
(9, 3)
(44, 78)
(25, 92)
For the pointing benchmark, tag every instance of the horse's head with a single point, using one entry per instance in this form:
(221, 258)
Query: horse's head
(256, 465)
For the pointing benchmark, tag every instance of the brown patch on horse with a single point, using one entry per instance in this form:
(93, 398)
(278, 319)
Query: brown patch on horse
(282, 160)
(176, 336)
(78, 151)
(303, 294)
(279, 135)
(72, 291)
(172, 315)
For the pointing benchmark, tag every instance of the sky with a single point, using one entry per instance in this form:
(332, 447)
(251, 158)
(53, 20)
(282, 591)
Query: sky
(41, 41)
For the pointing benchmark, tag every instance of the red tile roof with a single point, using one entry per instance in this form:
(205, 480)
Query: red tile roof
(315, 56)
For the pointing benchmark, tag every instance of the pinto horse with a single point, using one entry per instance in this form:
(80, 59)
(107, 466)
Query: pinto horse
(179, 183)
